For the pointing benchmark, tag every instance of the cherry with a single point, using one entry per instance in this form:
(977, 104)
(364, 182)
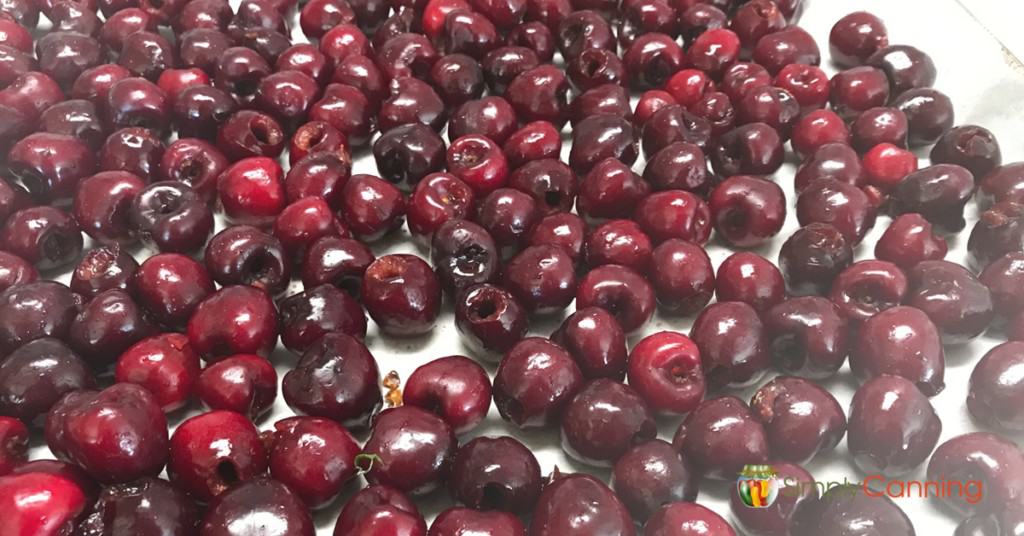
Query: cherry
(497, 473)
(596, 341)
(535, 382)
(314, 387)
(454, 387)
(801, 419)
(314, 457)
(116, 435)
(235, 511)
(665, 369)
(580, 502)
(413, 449)
(720, 437)
(165, 365)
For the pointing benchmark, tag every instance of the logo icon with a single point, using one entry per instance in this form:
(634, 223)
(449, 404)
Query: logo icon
(758, 486)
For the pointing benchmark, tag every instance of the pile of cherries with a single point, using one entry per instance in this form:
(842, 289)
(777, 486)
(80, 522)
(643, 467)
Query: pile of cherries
(88, 112)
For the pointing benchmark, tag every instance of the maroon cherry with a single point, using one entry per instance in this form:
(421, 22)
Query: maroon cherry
(242, 383)
(666, 370)
(801, 419)
(454, 387)
(893, 427)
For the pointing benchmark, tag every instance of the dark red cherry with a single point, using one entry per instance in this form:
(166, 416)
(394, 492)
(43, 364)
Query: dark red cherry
(807, 336)
(170, 286)
(211, 452)
(131, 444)
(666, 370)
(682, 276)
(867, 288)
(720, 437)
(37, 375)
(651, 474)
(580, 502)
(165, 365)
(535, 382)
(314, 457)
(952, 296)
(620, 290)
(902, 341)
(846, 508)
(413, 449)
(456, 521)
(109, 324)
(34, 310)
(801, 419)
(380, 508)
(495, 474)
(235, 511)
(146, 506)
(749, 278)
(454, 387)
(910, 240)
(314, 388)
(893, 427)
(242, 383)
(733, 344)
(236, 319)
(797, 493)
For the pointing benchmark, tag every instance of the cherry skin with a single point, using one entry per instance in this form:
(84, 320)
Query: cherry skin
(904, 342)
(952, 296)
(801, 419)
(868, 287)
(402, 294)
(1004, 280)
(380, 508)
(34, 377)
(812, 257)
(170, 286)
(747, 211)
(622, 291)
(236, 319)
(535, 381)
(893, 427)
(213, 451)
(13, 444)
(146, 506)
(597, 342)
(245, 255)
(116, 435)
(497, 473)
(242, 383)
(604, 420)
(845, 509)
(807, 336)
(455, 521)
(989, 458)
(312, 388)
(993, 389)
(652, 474)
(490, 320)
(454, 387)
(676, 519)
(580, 502)
(721, 436)
(165, 365)
(463, 254)
(414, 448)
(235, 511)
(307, 316)
(41, 504)
(542, 278)
(36, 310)
(750, 278)
(797, 493)
(315, 457)
(666, 370)
(107, 325)
(910, 239)
(682, 276)
(732, 343)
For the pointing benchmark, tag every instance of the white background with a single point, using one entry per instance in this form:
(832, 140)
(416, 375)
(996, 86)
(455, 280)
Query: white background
(986, 83)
